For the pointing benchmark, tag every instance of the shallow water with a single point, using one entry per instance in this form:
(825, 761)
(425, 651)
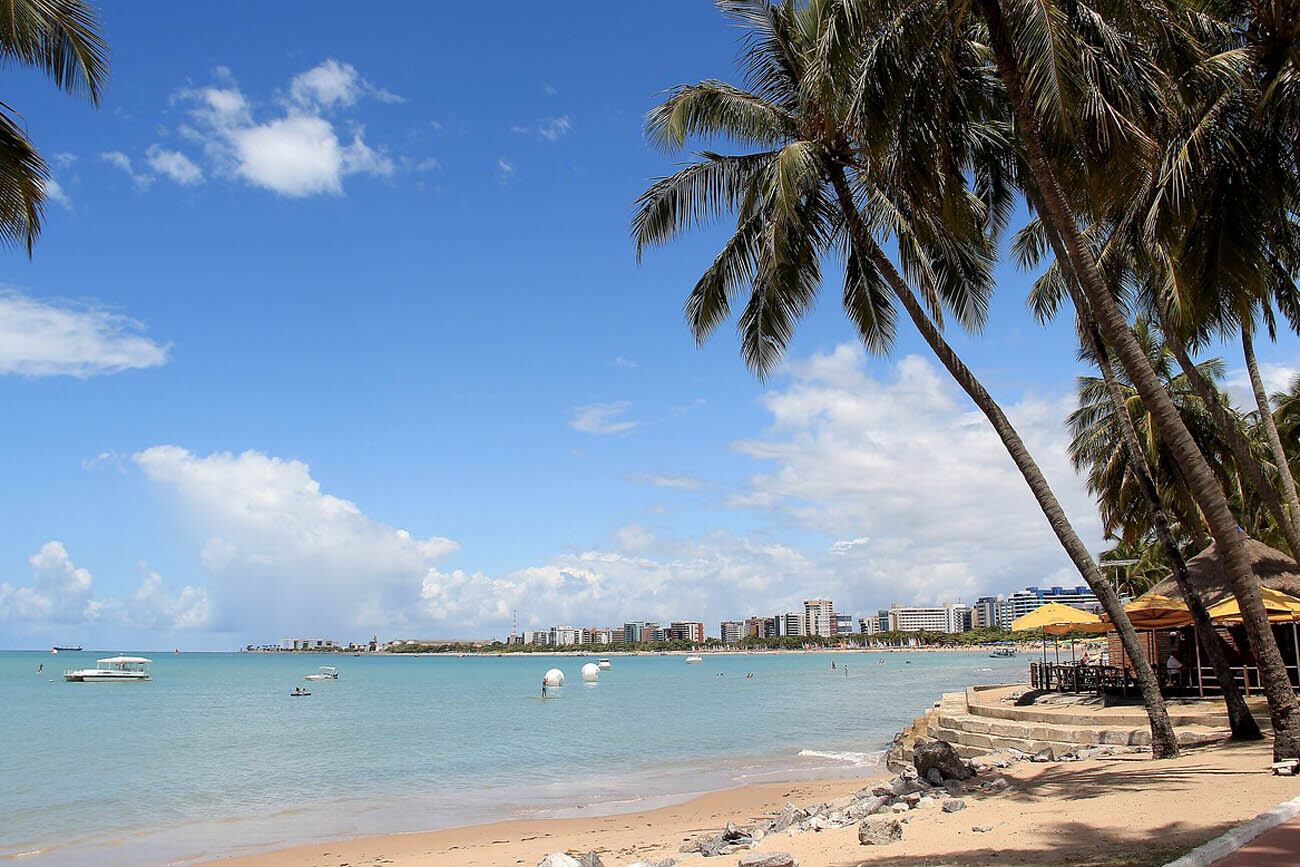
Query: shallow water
(213, 757)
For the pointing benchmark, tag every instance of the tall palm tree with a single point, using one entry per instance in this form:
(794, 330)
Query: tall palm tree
(1046, 55)
(61, 38)
(1106, 442)
(815, 186)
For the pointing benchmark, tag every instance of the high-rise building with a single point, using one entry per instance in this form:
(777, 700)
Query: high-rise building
(819, 617)
(760, 627)
(985, 613)
(639, 631)
(1030, 599)
(949, 617)
(732, 631)
(562, 636)
(843, 624)
(790, 625)
(686, 630)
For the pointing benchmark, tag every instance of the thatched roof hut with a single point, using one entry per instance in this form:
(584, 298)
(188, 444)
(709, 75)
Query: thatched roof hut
(1275, 570)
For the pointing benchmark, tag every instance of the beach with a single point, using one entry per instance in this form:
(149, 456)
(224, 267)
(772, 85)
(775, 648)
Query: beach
(1122, 810)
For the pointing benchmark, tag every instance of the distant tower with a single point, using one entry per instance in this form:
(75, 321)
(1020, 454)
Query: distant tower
(514, 624)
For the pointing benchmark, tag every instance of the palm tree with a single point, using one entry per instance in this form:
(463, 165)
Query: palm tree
(1052, 59)
(62, 39)
(1106, 442)
(815, 186)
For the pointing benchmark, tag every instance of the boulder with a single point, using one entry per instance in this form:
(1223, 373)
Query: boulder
(559, 859)
(865, 807)
(1043, 755)
(953, 805)
(934, 776)
(954, 787)
(591, 859)
(900, 807)
(940, 756)
(790, 815)
(880, 831)
(767, 859)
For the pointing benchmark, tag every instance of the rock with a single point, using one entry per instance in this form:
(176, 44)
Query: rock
(818, 823)
(1287, 768)
(940, 756)
(732, 832)
(912, 799)
(758, 835)
(954, 787)
(953, 805)
(866, 807)
(767, 859)
(591, 859)
(789, 815)
(910, 773)
(997, 784)
(926, 803)
(559, 859)
(879, 831)
(1044, 755)
(982, 829)
(935, 776)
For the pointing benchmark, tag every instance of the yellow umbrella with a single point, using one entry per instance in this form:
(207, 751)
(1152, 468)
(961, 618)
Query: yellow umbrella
(1154, 611)
(1280, 607)
(1057, 619)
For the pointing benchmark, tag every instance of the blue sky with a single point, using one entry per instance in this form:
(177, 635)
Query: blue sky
(312, 280)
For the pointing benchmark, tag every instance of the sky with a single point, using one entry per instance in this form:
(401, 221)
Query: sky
(336, 329)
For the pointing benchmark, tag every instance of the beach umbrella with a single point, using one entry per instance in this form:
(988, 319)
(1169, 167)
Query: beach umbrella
(1155, 611)
(1057, 619)
(1281, 607)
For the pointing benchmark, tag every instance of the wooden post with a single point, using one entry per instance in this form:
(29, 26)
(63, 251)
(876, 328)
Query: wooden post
(1200, 675)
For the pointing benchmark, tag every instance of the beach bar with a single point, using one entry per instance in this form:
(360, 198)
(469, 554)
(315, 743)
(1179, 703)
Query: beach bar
(1165, 628)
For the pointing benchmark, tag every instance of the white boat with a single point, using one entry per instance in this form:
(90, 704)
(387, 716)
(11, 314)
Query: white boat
(694, 659)
(114, 669)
(327, 672)
(604, 663)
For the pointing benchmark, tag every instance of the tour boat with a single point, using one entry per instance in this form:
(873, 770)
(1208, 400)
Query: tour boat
(694, 659)
(604, 663)
(1003, 652)
(114, 669)
(327, 672)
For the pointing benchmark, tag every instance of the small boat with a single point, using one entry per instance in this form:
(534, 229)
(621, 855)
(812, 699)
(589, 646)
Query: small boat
(114, 669)
(1004, 653)
(604, 663)
(694, 659)
(327, 672)
(298, 692)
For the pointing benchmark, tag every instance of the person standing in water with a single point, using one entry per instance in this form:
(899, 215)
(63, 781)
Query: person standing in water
(543, 687)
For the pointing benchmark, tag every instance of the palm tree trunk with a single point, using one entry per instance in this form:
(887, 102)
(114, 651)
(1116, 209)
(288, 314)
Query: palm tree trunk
(1164, 743)
(1240, 720)
(1270, 427)
(1249, 470)
(1283, 708)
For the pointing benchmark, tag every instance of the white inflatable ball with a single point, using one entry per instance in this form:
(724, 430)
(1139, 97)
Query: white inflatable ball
(554, 677)
(591, 672)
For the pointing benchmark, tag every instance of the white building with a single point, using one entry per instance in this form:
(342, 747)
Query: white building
(819, 617)
(563, 636)
(732, 631)
(1022, 602)
(949, 617)
(790, 625)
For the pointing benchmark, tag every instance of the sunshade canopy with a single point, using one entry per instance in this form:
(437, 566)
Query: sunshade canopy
(1279, 605)
(1057, 618)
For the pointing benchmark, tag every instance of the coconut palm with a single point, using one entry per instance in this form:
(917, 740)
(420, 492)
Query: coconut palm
(814, 185)
(1114, 440)
(62, 39)
(1064, 66)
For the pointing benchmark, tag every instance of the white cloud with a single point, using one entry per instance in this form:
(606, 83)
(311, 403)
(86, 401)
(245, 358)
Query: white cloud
(58, 593)
(47, 338)
(283, 554)
(625, 363)
(550, 129)
(298, 153)
(1277, 378)
(675, 482)
(906, 462)
(61, 592)
(505, 170)
(122, 163)
(174, 165)
(634, 537)
(602, 418)
(55, 193)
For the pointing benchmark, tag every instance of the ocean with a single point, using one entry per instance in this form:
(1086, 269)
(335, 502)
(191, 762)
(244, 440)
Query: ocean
(213, 757)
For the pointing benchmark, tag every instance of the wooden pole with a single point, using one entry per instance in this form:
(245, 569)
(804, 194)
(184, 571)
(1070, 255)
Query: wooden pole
(1200, 676)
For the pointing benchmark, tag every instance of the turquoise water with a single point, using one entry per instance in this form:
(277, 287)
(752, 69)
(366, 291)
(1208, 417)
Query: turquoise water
(213, 757)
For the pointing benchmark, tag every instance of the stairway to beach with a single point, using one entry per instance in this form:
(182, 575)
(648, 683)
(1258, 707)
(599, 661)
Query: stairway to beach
(988, 719)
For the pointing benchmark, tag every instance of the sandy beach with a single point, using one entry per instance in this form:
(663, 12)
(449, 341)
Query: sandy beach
(1124, 810)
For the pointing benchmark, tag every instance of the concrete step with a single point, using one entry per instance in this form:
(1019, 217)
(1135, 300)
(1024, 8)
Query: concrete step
(1033, 739)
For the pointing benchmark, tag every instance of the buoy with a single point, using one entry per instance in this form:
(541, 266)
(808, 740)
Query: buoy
(554, 677)
(591, 672)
